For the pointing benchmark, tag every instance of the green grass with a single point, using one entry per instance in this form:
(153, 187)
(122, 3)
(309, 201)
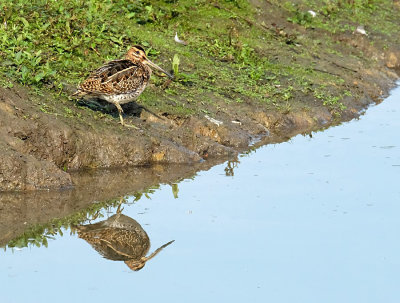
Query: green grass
(46, 44)
(342, 15)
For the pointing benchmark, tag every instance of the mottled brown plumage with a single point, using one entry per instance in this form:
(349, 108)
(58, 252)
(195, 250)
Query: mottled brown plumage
(119, 238)
(120, 81)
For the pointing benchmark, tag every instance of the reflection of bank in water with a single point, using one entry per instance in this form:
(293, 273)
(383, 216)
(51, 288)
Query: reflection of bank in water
(119, 238)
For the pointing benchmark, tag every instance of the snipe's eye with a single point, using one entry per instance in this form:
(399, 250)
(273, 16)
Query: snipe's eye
(137, 52)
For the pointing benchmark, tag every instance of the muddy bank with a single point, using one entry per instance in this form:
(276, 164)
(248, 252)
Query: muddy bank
(39, 151)
(43, 139)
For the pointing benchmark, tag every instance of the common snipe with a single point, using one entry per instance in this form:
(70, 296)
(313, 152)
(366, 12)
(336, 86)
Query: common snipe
(120, 81)
(119, 238)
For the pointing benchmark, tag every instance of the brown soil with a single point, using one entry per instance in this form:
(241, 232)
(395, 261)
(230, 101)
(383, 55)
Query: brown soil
(39, 150)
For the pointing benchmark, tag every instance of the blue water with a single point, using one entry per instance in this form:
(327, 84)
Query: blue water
(311, 220)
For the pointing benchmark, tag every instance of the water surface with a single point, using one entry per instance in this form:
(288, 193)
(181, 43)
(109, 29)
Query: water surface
(311, 220)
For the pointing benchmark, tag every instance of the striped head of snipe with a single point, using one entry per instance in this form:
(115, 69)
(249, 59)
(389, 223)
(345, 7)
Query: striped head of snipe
(137, 55)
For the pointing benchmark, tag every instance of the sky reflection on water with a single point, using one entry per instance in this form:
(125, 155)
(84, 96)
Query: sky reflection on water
(311, 220)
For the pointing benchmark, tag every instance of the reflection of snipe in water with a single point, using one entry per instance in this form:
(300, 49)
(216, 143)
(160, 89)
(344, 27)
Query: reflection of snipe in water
(119, 238)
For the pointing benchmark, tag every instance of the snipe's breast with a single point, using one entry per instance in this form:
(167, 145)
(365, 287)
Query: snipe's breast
(122, 98)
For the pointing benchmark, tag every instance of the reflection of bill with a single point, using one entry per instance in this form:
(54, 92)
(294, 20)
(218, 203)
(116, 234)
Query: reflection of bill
(119, 238)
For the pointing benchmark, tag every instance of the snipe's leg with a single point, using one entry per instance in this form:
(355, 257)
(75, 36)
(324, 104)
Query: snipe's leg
(120, 111)
(120, 208)
(96, 215)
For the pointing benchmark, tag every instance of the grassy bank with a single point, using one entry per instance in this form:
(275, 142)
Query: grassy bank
(232, 55)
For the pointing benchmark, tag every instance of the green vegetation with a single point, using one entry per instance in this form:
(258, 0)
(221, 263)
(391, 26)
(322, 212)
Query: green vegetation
(342, 15)
(175, 65)
(230, 55)
(46, 44)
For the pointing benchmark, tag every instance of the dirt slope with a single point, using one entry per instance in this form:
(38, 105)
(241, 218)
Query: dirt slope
(40, 147)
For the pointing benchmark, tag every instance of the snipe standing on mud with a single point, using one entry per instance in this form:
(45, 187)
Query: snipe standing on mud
(120, 81)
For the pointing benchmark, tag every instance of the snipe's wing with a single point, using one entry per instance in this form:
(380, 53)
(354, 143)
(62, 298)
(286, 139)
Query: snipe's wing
(115, 77)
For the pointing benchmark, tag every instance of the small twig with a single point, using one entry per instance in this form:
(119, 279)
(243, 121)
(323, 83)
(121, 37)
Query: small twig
(325, 71)
(166, 83)
(344, 67)
(96, 51)
(249, 22)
